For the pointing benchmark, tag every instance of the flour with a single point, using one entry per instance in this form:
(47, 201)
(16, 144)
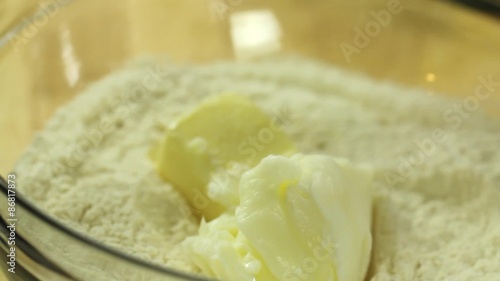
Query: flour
(437, 210)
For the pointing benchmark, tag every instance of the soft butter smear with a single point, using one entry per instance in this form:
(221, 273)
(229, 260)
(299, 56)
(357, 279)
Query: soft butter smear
(305, 217)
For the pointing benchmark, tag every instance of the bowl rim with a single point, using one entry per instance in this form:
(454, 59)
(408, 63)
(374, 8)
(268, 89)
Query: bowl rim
(95, 245)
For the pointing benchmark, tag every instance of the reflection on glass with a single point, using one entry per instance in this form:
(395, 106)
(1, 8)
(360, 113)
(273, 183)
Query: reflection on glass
(430, 77)
(254, 34)
(71, 64)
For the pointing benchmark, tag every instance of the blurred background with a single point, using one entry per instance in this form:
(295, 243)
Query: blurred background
(50, 50)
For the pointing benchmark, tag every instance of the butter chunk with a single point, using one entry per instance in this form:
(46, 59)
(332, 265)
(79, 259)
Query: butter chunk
(308, 217)
(222, 130)
(221, 251)
(305, 217)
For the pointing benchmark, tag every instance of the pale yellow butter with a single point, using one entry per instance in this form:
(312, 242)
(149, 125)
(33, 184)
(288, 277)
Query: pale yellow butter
(305, 217)
(222, 130)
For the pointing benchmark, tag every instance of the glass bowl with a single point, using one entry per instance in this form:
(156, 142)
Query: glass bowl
(50, 51)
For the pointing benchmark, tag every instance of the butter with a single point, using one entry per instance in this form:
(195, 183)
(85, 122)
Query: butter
(222, 251)
(305, 217)
(220, 132)
(267, 214)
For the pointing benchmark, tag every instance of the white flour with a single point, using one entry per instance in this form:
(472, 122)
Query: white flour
(437, 214)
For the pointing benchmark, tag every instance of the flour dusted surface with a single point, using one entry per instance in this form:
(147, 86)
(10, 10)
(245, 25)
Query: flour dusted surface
(437, 214)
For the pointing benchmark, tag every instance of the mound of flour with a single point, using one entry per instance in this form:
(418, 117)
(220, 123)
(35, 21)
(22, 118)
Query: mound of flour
(437, 203)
